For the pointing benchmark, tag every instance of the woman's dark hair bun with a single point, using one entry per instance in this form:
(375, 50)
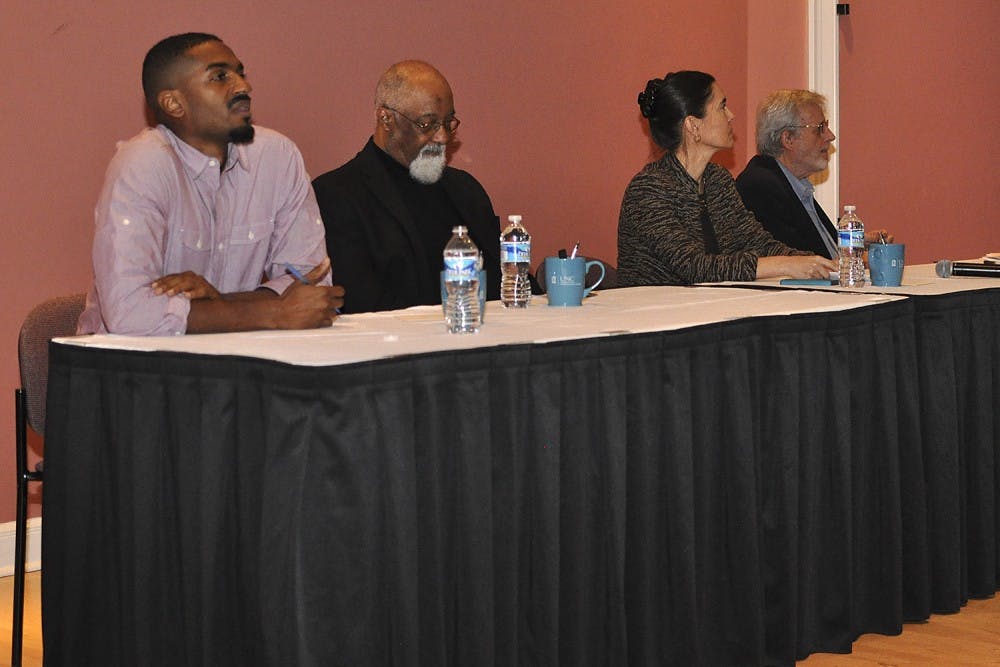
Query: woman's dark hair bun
(647, 98)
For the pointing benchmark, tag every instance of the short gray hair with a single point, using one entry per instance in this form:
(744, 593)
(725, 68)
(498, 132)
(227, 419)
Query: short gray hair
(780, 111)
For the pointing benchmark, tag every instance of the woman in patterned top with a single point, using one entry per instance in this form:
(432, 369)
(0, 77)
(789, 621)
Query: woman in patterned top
(682, 221)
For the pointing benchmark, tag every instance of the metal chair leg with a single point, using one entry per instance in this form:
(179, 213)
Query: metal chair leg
(21, 525)
(17, 624)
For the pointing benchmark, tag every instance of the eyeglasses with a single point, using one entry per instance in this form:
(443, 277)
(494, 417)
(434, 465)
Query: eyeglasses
(821, 128)
(429, 128)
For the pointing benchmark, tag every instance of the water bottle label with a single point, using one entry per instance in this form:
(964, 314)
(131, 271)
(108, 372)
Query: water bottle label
(851, 238)
(460, 268)
(515, 251)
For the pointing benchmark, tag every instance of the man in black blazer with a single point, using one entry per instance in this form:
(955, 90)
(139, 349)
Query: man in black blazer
(793, 142)
(389, 211)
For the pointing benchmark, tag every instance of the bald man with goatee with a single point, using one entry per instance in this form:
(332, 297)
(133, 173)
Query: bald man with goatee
(390, 210)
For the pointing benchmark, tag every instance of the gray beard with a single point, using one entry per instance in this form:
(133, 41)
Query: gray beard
(429, 164)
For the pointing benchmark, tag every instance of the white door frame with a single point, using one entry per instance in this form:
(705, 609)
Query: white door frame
(824, 78)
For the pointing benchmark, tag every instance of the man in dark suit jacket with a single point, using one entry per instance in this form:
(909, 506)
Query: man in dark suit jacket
(793, 142)
(389, 211)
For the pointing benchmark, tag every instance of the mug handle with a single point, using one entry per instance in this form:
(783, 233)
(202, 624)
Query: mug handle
(586, 268)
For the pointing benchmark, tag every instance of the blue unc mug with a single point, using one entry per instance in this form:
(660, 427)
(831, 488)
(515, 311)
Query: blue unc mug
(564, 280)
(885, 264)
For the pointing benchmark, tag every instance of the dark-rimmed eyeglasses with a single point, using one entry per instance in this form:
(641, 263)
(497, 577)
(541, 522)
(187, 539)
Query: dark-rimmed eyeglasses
(820, 128)
(429, 128)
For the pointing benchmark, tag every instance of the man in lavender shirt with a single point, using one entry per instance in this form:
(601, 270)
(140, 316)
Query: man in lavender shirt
(206, 223)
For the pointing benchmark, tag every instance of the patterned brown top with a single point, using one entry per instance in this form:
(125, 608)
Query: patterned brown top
(660, 238)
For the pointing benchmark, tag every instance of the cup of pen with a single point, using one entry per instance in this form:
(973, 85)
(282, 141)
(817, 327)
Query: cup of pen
(885, 264)
(565, 280)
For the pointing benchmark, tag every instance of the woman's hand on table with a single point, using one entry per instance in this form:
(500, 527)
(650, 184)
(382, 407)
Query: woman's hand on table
(795, 266)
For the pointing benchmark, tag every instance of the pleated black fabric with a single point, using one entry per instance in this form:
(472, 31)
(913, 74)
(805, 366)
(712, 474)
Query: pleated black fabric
(736, 494)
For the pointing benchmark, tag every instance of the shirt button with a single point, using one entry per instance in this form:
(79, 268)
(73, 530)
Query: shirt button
(213, 163)
(221, 246)
(126, 221)
(250, 236)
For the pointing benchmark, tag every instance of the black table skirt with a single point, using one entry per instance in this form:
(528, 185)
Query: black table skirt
(742, 493)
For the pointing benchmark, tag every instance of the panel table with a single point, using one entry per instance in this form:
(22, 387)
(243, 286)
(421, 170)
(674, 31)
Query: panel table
(663, 476)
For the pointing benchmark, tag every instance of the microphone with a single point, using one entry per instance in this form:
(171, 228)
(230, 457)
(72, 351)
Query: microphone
(947, 268)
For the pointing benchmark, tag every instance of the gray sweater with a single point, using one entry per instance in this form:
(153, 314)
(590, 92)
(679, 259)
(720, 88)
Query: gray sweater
(660, 239)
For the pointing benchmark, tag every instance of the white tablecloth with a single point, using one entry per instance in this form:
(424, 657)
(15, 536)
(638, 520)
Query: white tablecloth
(918, 280)
(369, 336)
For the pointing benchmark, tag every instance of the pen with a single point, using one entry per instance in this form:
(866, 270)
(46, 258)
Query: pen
(575, 249)
(302, 279)
(298, 275)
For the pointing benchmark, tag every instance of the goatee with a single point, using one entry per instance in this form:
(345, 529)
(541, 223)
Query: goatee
(242, 134)
(429, 164)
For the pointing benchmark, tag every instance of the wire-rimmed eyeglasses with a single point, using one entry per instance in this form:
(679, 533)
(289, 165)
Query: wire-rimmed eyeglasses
(820, 128)
(429, 128)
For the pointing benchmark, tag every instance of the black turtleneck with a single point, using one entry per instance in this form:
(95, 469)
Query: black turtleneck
(433, 213)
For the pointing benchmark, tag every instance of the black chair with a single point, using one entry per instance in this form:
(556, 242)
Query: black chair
(610, 275)
(50, 319)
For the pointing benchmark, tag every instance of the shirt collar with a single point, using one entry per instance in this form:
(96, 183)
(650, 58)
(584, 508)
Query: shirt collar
(389, 161)
(197, 162)
(803, 187)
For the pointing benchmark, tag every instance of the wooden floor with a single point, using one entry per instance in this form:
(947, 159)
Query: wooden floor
(969, 638)
(31, 652)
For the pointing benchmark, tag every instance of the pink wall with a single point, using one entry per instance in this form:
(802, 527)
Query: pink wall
(919, 123)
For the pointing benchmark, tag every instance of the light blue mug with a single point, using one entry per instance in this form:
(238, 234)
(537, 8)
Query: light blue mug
(565, 280)
(885, 264)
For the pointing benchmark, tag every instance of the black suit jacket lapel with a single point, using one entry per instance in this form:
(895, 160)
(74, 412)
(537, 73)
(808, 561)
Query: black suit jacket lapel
(805, 222)
(830, 228)
(482, 225)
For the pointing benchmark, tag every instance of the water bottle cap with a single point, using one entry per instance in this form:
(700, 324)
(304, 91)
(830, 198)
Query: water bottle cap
(514, 218)
(849, 207)
(459, 229)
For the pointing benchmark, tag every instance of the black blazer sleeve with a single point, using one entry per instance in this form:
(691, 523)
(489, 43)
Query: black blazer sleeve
(350, 241)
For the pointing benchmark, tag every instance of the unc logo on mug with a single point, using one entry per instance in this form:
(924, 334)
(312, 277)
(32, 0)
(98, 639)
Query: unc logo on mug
(566, 280)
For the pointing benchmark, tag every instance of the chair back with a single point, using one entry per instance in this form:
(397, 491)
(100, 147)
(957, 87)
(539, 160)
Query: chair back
(50, 319)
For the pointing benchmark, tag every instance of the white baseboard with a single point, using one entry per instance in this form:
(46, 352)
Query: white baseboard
(34, 546)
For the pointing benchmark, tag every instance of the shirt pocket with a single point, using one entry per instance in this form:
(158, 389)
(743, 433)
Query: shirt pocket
(196, 238)
(253, 233)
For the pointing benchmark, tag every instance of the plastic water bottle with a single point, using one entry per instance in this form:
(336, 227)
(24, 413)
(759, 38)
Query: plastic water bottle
(462, 262)
(851, 245)
(515, 264)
